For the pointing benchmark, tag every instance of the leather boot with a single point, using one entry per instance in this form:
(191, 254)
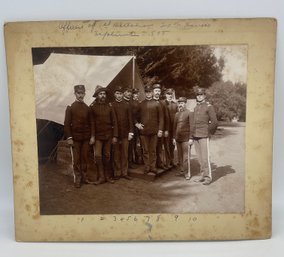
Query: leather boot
(108, 170)
(77, 182)
(100, 168)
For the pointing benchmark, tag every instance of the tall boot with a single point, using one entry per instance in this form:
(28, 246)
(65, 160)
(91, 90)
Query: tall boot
(108, 170)
(100, 169)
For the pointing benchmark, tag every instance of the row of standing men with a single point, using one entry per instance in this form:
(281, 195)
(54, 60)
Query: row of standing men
(114, 130)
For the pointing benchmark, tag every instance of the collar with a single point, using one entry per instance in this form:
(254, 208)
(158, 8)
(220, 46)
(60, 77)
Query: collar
(118, 101)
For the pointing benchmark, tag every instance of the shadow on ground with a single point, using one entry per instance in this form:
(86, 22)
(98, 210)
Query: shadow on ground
(219, 172)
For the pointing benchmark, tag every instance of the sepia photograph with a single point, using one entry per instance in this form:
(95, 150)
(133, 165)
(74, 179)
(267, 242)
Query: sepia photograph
(141, 129)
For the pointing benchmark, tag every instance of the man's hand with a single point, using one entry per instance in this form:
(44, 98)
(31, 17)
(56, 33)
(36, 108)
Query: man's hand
(130, 136)
(174, 141)
(140, 126)
(92, 140)
(160, 133)
(70, 141)
(114, 140)
(166, 133)
(190, 142)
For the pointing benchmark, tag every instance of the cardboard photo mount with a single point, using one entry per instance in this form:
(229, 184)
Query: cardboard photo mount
(258, 34)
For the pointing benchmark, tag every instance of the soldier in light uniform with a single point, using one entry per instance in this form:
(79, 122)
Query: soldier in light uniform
(150, 124)
(105, 132)
(205, 125)
(182, 129)
(123, 116)
(79, 133)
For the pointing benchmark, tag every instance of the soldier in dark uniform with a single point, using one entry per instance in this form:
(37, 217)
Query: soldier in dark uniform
(172, 109)
(78, 130)
(205, 125)
(123, 116)
(161, 163)
(127, 94)
(105, 132)
(134, 154)
(182, 129)
(150, 124)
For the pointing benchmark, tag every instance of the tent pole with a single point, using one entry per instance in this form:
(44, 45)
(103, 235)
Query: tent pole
(133, 71)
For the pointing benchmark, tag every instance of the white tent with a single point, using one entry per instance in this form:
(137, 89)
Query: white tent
(56, 77)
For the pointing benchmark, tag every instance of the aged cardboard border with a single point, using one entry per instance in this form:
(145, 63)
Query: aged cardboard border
(255, 223)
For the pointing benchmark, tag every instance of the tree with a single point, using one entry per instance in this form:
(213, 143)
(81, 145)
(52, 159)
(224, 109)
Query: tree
(180, 67)
(228, 99)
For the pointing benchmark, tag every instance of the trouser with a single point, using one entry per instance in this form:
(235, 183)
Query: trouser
(133, 154)
(182, 149)
(203, 154)
(81, 160)
(149, 144)
(159, 152)
(102, 155)
(121, 157)
(169, 149)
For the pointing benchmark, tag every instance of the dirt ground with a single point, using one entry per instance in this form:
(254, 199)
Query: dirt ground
(166, 194)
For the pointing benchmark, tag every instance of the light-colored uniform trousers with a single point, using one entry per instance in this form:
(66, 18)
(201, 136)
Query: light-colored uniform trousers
(203, 154)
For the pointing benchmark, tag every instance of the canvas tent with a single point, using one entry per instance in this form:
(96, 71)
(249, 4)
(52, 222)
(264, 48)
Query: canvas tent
(56, 77)
(54, 89)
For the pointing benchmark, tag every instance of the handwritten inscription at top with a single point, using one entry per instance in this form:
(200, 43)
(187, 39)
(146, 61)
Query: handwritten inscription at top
(105, 29)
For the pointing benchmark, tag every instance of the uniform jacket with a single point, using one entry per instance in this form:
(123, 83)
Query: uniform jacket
(123, 117)
(172, 109)
(134, 107)
(166, 115)
(78, 121)
(182, 127)
(205, 120)
(150, 114)
(104, 121)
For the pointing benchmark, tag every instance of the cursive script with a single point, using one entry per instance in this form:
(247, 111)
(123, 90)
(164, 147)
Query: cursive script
(69, 26)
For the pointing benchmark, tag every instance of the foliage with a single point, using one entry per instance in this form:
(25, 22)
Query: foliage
(228, 99)
(181, 67)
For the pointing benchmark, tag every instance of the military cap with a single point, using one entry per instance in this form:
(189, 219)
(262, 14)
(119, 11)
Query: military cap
(135, 91)
(157, 86)
(182, 99)
(119, 89)
(148, 88)
(79, 88)
(127, 89)
(169, 91)
(200, 91)
(98, 90)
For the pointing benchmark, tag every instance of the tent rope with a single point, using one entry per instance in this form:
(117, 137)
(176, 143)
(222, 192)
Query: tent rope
(43, 128)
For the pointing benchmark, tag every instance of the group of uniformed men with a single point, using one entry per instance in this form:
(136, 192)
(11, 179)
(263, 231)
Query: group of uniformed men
(113, 130)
